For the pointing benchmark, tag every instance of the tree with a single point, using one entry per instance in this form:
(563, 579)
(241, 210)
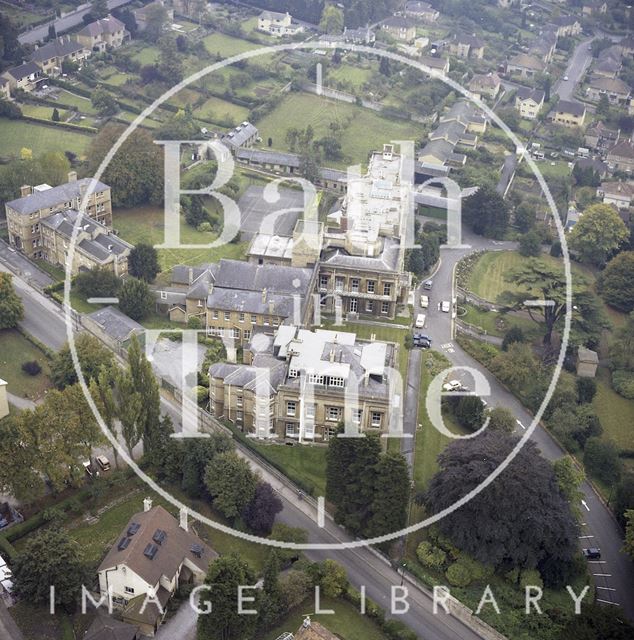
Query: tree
(92, 356)
(598, 234)
(169, 64)
(195, 213)
(509, 523)
(350, 469)
(385, 67)
(130, 407)
(530, 244)
(101, 283)
(135, 173)
(135, 299)
(259, 514)
(469, 412)
(198, 453)
(524, 217)
(596, 622)
(49, 558)
(226, 574)
(11, 308)
(601, 458)
(295, 587)
(332, 19)
(102, 393)
(143, 262)
(514, 334)
(501, 419)
(55, 117)
(569, 479)
(104, 102)
(391, 496)
(486, 212)
(99, 9)
(603, 106)
(283, 533)
(231, 483)
(517, 366)
(629, 533)
(272, 599)
(622, 349)
(615, 282)
(332, 579)
(586, 390)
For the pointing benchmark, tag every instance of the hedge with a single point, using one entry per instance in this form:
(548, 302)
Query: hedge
(63, 125)
(7, 549)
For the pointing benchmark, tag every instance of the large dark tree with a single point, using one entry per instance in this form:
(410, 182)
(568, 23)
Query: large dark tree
(135, 299)
(350, 473)
(143, 262)
(520, 520)
(11, 308)
(486, 212)
(198, 453)
(615, 283)
(92, 356)
(100, 283)
(597, 623)
(259, 514)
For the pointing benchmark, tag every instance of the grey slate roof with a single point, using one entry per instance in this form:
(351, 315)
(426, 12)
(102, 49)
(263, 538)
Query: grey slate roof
(568, 106)
(54, 196)
(109, 24)
(115, 323)
(398, 22)
(387, 261)
(268, 157)
(245, 376)
(238, 136)
(106, 627)
(524, 93)
(24, 70)
(56, 49)
(237, 274)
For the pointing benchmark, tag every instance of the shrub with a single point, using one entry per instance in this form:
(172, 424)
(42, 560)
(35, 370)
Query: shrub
(623, 383)
(32, 367)
(478, 570)
(586, 390)
(530, 578)
(204, 226)
(514, 334)
(431, 556)
(459, 575)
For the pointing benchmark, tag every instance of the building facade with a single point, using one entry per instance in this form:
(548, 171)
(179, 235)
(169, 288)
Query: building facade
(103, 34)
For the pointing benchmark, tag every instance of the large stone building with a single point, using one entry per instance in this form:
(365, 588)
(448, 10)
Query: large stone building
(529, 102)
(25, 214)
(302, 384)
(25, 76)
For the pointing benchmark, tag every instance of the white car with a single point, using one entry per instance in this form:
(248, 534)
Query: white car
(452, 385)
(445, 306)
(420, 321)
(424, 302)
(566, 78)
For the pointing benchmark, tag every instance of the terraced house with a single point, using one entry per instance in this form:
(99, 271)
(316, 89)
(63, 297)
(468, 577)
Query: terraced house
(25, 214)
(303, 384)
(101, 35)
(54, 54)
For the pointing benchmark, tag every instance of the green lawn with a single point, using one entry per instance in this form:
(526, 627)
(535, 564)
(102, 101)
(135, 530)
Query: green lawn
(615, 412)
(74, 100)
(496, 324)
(347, 623)
(217, 108)
(147, 55)
(16, 135)
(146, 224)
(357, 76)
(304, 462)
(15, 349)
(362, 131)
(37, 111)
(227, 46)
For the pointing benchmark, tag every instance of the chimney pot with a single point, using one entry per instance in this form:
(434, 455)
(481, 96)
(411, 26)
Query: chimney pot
(26, 190)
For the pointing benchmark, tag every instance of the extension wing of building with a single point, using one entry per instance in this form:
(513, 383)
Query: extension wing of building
(361, 270)
(302, 384)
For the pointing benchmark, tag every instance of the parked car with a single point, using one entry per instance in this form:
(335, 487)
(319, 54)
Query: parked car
(424, 302)
(87, 468)
(103, 462)
(420, 321)
(592, 553)
(421, 340)
(452, 385)
(428, 284)
(445, 306)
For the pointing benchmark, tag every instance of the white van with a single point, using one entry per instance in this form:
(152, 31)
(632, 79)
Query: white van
(420, 320)
(445, 306)
(424, 302)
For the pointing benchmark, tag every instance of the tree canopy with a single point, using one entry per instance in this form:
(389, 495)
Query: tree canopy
(92, 356)
(486, 212)
(143, 262)
(615, 282)
(135, 299)
(11, 307)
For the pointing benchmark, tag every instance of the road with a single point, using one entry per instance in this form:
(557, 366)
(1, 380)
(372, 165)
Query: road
(62, 25)
(579, 62)
(614, 573)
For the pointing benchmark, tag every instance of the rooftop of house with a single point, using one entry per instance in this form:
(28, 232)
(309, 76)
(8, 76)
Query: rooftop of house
(314, 631)
(417, 6)
(57, 48)
(433, 62)
(398, 22)
(616, 188)
(115, 324)
(23, 70)
(108, 628)
(611, 85)
(527, 61)
(250, 377)
(564, 21)
(526, 93)
(54, 196)
(624, 149)
(272, 15)
(570, 107)
(441, 150)
(600, 128)
(153, 544)
(464, 112)
(109, 24)
(142, 12)
(488, 80)
(243, 132)
(469, 39)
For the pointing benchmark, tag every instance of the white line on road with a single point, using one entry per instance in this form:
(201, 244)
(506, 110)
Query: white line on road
(616, 604)
(584, 537)
(603, 575)
(606, 588)
(520, 424)
(585, 504)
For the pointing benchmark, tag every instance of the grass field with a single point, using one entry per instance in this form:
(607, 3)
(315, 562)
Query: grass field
(74, 100)
(347, 623)
(147, 55)
(227, 46)
(217, 108)
(15, 135)
(615, 411)
(362, 130)
(15, 349)
(357, 76)
(146, 224)
(497, 324)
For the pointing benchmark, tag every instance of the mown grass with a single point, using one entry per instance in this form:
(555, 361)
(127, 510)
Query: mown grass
(217, 108)
(227, 46)
(615, 411)
(16, 135)
(357, 76)
(15, 349)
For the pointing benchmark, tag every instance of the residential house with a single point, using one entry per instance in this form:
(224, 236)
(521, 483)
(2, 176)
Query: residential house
(143, 15)
(597, 166)
(529, 102)
(609, 62)
(544, 45)
(569, 114)
(455, 133)
(621, 156)
(525, 66)
(278, 24)
(106, 627)
(101, 35)
(466, 46)
(422, 11)
(601, 137)
(485, 85)
(627, 46)
(4, 402)
(113, 327)
(436, 63)
(5, 89)
(567, 26)
(52, 55)
(619, 194)
(25, 76)
(594, 7)
(400, 28)
(154, 555)
(441, 153)
(361, 269)
(617, 91)
(467, 114)
(95, 245)
(359, 36)
(300, 385)
(25, 214)
(244, 136)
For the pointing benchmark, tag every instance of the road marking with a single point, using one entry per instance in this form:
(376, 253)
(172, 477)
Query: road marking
(321, 511)
(597, 562)
(603, 575)
(520, 424)
(616, 604)
(584, 537)
(585, 504)
(103, 300)
(606, 588)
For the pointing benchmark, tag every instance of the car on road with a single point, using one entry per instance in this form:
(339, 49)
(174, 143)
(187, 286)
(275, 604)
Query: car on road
(424, 302)
(420, 321)
(565, 78)
(87, 468)
(592, 553)
(452, 385)
(421, 340)
(445, 305)
(103, 462)
(428, 284)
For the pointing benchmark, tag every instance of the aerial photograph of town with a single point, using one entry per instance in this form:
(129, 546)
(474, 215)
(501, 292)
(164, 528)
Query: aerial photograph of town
(317, 319)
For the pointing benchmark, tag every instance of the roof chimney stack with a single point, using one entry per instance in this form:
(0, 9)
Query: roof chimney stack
(147, 504)
(264, 295)
(26, 190)
(72, 176)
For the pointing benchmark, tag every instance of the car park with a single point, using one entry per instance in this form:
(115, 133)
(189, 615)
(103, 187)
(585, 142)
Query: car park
(592, 553)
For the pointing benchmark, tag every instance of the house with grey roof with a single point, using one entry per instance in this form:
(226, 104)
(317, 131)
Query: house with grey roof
(143, 15)
(103, 34)
(422, 11)
(359, 36)
(244, 136)
(24, 76)
(567, 26)
(112, 326)
(525, 66)
(617, 91)
(569, 113)
(302, 378)
(466, 46)
(529, 102)
(51, 56)
(400, 28)
(25, 214)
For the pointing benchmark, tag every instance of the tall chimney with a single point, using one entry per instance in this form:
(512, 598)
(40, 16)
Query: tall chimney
(183, 520)
(147, 504)
(26, 190)
(72, 176)
(271, 307)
